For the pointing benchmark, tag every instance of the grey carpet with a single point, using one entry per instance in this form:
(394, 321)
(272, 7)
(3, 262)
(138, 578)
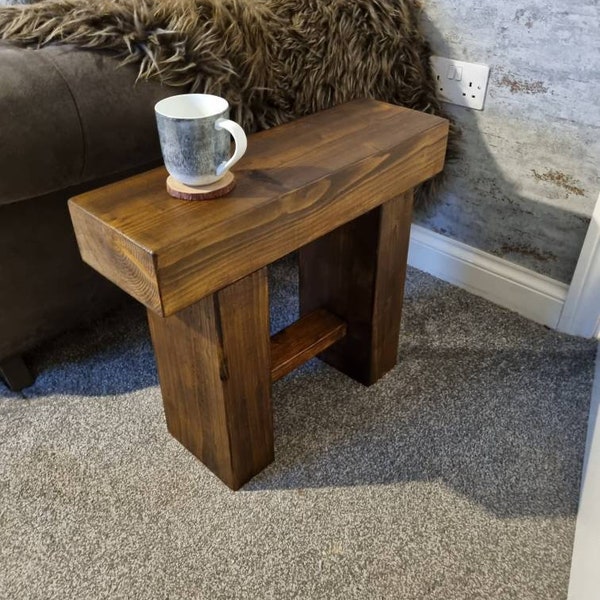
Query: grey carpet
(454, 477)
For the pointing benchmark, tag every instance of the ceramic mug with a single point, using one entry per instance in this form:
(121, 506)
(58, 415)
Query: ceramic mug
(194, 134)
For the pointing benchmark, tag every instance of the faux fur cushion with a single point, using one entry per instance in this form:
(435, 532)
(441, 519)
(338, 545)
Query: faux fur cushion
(274, 60)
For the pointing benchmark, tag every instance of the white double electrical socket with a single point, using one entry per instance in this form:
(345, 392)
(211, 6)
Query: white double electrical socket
(460, 82)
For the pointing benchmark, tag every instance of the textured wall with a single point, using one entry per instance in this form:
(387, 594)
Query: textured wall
(526, 183)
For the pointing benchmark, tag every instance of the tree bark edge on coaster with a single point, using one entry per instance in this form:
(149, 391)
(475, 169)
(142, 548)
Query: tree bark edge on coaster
(205, 192)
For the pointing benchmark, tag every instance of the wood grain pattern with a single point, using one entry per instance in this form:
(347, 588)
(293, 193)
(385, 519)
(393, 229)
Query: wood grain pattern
(126, 264)
(303, 340)
(296, 183)
(214, 362)
(357, 272)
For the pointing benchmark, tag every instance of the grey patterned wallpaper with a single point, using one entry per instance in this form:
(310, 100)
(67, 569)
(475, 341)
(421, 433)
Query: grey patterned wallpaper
(526, 184)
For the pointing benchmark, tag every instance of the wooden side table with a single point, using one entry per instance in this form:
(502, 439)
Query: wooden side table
(337, 186)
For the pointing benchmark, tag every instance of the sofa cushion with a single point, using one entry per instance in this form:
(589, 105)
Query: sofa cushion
(40, 137)
(71, 116)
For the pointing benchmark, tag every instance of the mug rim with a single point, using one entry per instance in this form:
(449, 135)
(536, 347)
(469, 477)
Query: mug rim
(161, 106)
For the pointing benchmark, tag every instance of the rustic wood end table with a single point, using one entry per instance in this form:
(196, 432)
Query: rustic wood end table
(335, 186)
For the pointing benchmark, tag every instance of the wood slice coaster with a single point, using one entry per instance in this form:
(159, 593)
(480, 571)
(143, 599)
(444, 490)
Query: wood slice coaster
(201, 192)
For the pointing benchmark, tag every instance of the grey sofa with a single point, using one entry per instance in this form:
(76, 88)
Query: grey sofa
(70, 121)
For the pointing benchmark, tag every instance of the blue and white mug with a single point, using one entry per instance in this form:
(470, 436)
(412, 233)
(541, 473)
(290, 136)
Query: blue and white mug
(194, 132)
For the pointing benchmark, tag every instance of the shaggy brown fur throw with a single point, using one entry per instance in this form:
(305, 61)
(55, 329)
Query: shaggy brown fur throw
(274, 60)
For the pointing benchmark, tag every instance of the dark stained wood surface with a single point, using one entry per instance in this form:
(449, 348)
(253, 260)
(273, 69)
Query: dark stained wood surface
(214, 365)
(296, 183)
(338, 186)
(303, 340)
(357, 272)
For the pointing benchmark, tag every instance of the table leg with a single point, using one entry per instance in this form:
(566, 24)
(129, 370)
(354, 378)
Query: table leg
(357, 272)
(214, 367)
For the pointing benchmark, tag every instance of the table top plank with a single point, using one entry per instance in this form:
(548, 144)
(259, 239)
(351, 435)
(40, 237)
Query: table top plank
(321, 131)
(296, 182)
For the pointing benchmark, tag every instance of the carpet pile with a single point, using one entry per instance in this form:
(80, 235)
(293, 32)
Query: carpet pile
(454, 477)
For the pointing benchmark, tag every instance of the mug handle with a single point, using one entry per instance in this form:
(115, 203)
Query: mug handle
(241, 143)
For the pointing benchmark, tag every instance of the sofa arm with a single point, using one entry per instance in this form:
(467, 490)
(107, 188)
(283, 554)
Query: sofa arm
(69, 116)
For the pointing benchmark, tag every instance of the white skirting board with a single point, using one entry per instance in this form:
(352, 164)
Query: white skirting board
(526, 292)
(581, 315)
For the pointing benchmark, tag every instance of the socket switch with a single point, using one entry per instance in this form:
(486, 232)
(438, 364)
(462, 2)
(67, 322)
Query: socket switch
(460, 82)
